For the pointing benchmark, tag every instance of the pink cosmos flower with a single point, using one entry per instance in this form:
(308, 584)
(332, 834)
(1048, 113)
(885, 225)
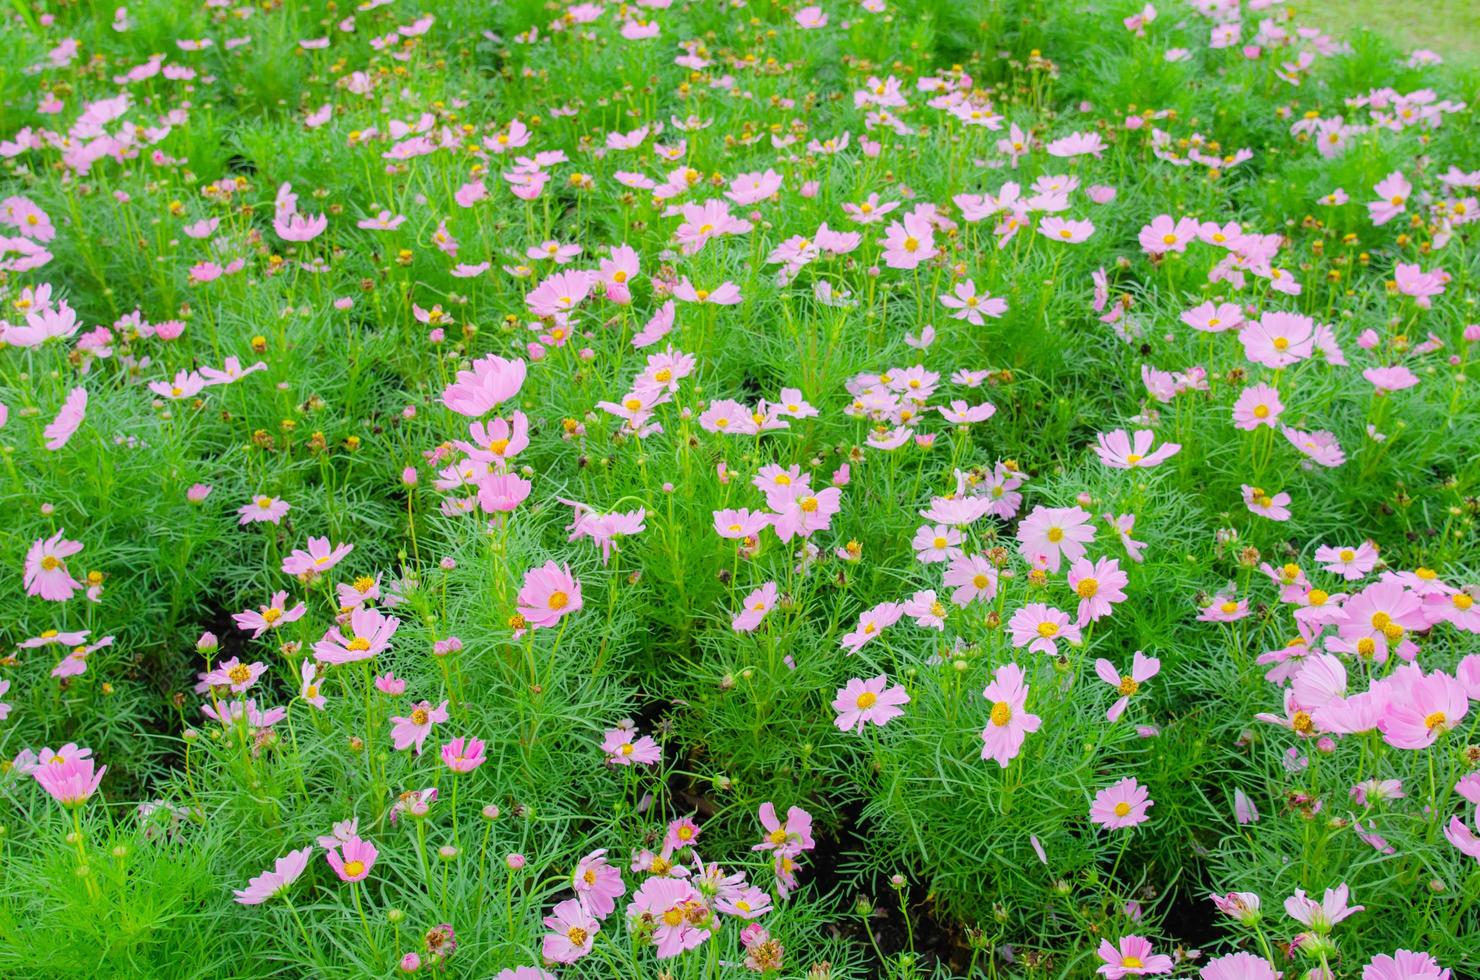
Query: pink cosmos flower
(1224, 609)
(548, 594)
(45, 573)
(1275, 506)
(1120, 805)
(310, 675)
(1068, 231)
(491, 381)
(70, 779)
(936, 544)
(803, 512)
(68, 419)
(370, 632)
(623, 747)
(1350, 563)
(1238, 966)
(1320, 916)
(462, 754)
(1213, 317)
(1050, 534)
(1277, 340)
(926, 610)
(972, 307)
(791, 836)
(263, 508)
(1257, 405)
(1133, 958)
(1394, 378)
(973, 577)
(1393, 192)
(909, 242)
(1413, 281)
(414, 728)
(871, 701)
(1098, 586)
(725, 294)
(1404, 965)
(1010, 723)
(1143, 668)
(871, 623)
(235, 674)
(1164, 235)
(740, 524)
(270, 884)
(502, 492)
(597, 884)
(353, 859)
(678, 912)
(1039, 627)
(320, 557)
(270, 616)
(757, 605)
(1319, 447)
(1421, 707)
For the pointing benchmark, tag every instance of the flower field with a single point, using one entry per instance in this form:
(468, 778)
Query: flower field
(716, 488)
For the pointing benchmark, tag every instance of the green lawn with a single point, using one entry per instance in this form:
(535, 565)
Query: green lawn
(1450, 27)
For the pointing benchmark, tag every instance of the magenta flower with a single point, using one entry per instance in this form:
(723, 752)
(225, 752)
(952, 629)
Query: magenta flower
(462, 755)
(909, 242)
(70, 779)
(1133, 958)
(502, 492)
(270, 884)
(319, 558)
(353, 859)
(862, 702)
(1420, 707)
(1120, 805)
(973, 577)
(1039, 627)
(1143, 668)
(549, 593)
(1350, 563)
(1010, 723)
(415, 727)
(1164, 235)
(46, 572)
(936, 544)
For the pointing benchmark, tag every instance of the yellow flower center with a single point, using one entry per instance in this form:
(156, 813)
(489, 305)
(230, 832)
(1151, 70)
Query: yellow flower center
(1056, 534)
(1261, 411)
(980, 580)
(272, 614)
(576, 935)
(1462, 601)
(1087, 588)
(1427, 574)
(1001, 713)
(1129, 961)
(558, 600)
(1347, 554)
(1229, 607)
(1292, 572)
(1317, 597)
(364, 583)
(939, 542)
(911, 244)
(1366, 646)
(353, 869)
(808, 504)
(673, 917)
(626, 748)
(1169, 239)
(1122, 808)
(1046, 630)
(51, 563)
(240, 674)
(1128, 686)
(1435, 720)
(359, 643)
(419, 716)
(1302, 723)
(867, 700)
